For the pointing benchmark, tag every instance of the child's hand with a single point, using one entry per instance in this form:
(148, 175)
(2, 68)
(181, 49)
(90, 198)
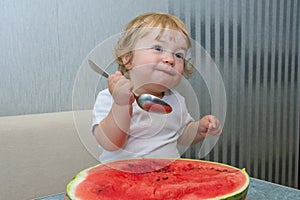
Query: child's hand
(209, 125)
(120, 89)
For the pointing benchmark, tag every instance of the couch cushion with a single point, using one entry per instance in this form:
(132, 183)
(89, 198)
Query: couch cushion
(41, 153)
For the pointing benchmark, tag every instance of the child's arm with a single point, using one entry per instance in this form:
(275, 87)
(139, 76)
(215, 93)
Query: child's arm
(196, 131)
(112, 131)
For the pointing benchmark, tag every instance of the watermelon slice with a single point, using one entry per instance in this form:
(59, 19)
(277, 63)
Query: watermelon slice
(159, 179)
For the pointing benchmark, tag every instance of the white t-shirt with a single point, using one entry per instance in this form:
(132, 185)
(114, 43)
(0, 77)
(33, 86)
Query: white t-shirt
(151, 134)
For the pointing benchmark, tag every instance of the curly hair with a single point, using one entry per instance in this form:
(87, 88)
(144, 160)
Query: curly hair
(139, 27)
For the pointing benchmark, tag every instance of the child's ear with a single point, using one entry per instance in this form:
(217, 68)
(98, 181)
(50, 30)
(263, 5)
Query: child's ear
(126, 59)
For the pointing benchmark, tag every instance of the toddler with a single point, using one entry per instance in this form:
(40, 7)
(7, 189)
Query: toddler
(151, 57)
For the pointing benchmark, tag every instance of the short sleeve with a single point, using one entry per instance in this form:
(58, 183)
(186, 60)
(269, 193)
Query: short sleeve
(102, 107)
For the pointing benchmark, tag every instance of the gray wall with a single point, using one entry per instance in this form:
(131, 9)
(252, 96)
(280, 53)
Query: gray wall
(43, 43)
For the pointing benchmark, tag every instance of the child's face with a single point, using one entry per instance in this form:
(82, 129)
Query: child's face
(158, 63)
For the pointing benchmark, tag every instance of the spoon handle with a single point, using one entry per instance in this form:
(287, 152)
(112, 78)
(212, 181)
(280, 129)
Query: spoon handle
(98, 69)
(145, 101)
(102, 72)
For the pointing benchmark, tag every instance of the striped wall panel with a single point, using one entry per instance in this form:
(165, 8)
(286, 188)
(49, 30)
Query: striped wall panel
(255, 45)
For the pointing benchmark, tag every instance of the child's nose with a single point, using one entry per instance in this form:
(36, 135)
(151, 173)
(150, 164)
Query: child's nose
(168, 58)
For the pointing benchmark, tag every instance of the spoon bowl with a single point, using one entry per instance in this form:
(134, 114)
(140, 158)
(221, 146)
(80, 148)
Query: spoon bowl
(147, 102)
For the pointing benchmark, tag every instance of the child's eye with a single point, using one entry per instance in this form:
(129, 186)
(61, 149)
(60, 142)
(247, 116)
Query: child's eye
(179, 55)
(158, 48)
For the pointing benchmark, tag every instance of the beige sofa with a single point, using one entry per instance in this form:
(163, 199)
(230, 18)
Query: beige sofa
(41, 153)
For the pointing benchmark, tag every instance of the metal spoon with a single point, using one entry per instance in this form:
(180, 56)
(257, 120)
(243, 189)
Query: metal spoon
(147, 102)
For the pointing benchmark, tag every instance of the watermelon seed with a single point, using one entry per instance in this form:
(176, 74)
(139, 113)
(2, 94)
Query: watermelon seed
(130, 165)
(165, 178)
(157, 179)
(100, 190)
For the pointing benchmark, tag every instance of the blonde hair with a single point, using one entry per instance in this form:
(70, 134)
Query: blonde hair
(136, 29)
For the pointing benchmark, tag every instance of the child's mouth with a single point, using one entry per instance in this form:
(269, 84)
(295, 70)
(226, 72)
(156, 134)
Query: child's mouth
(166, 69)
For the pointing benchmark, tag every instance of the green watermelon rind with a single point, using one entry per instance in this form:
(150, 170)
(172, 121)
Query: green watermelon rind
(238, 195)
(77, 179)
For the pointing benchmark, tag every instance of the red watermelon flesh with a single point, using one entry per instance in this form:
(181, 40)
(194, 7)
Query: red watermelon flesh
(157, 108)
(159, 179)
